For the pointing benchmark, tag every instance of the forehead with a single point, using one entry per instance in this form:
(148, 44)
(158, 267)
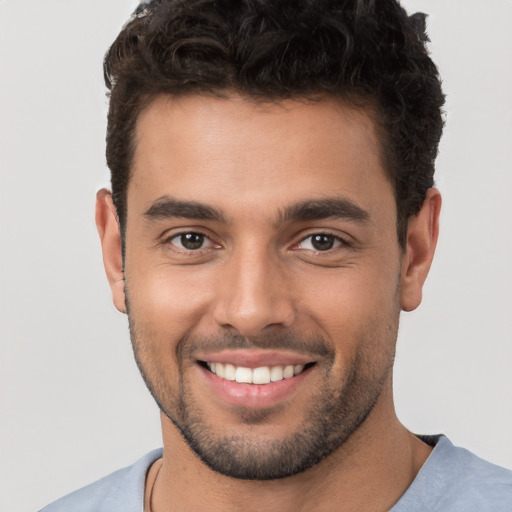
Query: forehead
(227, 151)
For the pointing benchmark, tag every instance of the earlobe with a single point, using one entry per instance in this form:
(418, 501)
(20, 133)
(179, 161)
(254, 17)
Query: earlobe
(422, 234)
(110, 238)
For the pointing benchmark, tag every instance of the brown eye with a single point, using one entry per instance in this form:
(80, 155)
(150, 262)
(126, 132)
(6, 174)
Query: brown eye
(189, 241)
(320, 242)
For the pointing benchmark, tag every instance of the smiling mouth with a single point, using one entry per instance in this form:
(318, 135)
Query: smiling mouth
(260, 375)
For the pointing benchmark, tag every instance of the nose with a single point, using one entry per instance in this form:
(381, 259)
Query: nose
(253, 294)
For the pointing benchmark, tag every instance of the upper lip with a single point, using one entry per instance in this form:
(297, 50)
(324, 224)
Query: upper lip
(255, 358)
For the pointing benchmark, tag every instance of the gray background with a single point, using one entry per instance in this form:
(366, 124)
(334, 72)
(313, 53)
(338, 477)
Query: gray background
(73, 406)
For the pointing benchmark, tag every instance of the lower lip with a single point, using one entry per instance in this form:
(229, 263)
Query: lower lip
(253, 396)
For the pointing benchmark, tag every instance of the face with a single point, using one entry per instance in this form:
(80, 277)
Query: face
(262, 277)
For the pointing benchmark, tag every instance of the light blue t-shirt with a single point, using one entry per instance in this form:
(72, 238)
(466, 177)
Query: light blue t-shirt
(451, 480)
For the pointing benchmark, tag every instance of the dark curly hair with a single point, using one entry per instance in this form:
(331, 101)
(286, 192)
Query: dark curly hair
(365, 51)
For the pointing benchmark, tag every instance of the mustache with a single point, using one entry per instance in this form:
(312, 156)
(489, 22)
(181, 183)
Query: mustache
(289, 341)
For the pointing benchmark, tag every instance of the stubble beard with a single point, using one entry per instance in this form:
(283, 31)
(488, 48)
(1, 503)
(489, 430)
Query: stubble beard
(334, 416)
(325, 428)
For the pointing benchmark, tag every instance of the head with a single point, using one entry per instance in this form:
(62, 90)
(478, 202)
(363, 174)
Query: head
(272, 212)
(365, 52)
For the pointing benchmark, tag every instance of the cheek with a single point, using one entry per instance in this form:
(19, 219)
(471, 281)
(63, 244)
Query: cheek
(348, 294)
(166, 302)
(357, 310)
(163, 308)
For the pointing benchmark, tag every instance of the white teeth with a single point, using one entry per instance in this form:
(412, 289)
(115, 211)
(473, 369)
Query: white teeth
(229, 372)
(288, 372)
(276, 373)
(260, 375)
(243, 375)
(219, 369)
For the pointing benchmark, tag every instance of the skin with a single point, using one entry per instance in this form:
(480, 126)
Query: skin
(258, 277)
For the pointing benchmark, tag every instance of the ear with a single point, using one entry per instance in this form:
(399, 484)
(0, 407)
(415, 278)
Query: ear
(422, 234)
(110, 237)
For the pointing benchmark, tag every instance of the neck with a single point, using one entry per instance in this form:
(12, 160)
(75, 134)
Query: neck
(369, 472)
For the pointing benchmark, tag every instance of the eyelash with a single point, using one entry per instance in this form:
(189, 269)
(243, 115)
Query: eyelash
(336, 240)
(168, 241)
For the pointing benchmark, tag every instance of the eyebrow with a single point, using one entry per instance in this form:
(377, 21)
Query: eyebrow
(320, 209)
(167, 207)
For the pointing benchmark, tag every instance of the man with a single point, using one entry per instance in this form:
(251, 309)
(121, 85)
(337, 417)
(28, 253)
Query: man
(272, 212)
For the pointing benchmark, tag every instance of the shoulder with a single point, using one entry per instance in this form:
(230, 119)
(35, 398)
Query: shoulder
(454, 479)
(473, 480)
(122, 490)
